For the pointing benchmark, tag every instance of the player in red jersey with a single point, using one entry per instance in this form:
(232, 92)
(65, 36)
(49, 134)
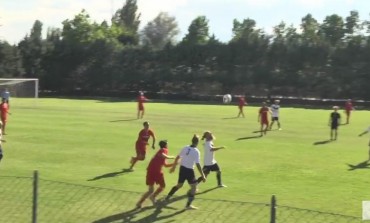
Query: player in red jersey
(140, 108)
(141, 144)
(263, 118)
(241, 104)
(154, 174)
(4, 110)
(348, 107)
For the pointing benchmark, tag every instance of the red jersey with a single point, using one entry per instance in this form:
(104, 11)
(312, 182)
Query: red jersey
(264, 113)
(144, 136)
(241, 101)
(155, 165)
(348, 106)
(141, 99)
(4, 109)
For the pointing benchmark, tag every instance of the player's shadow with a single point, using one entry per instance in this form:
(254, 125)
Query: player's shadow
(248, 137)
(322, 142)
(124, 120)
(208, 190)
(363, 165)
(268, 130)
(231, 118)
(128, 216)
(112, 174)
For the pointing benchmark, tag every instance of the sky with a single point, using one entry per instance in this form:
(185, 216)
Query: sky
(18, 16)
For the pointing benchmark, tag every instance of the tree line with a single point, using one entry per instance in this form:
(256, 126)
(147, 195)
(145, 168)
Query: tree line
(327, 59)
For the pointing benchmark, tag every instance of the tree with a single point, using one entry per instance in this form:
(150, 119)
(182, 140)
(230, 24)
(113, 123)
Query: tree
(198, 31)
(160, 31)
(352, 22)
(333, 28)
(310, 28)
(129, 20)
(10, 61)
(31, 49)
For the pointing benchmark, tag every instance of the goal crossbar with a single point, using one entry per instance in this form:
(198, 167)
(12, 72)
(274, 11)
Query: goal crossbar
(12, 81)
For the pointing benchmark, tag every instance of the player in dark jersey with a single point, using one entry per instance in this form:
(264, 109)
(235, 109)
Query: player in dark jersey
(334, 122)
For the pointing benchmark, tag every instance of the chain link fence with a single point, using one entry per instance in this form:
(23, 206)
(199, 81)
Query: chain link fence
(26, 199)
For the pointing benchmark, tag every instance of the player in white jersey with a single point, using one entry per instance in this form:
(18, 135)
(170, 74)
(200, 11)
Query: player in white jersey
(275, 110)
(189, 157)
(363, 133)
(210, 164)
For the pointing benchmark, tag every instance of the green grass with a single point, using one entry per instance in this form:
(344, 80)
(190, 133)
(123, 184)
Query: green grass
(89, 142)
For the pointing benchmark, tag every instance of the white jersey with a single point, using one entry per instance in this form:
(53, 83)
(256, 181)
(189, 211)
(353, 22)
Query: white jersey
(275, 110)
(189, 157)
(209, 157)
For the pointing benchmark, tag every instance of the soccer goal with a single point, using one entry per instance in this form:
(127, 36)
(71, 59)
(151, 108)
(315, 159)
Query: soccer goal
(20, 87)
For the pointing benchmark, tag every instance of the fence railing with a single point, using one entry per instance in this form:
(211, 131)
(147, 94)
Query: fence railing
(30, 199)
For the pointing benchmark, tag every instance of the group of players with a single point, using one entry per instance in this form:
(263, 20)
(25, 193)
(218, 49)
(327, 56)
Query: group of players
(190, 155)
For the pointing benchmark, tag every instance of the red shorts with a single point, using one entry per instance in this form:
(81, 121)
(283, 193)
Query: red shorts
(264, 122)
(155, 178)
(141, 107)
(140, 149)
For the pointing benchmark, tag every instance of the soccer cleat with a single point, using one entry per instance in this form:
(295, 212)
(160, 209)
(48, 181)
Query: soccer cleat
(138, 206)
(191, 207)
(222, 185)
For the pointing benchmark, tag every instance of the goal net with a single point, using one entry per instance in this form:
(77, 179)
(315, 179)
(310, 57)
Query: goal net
(20, 87)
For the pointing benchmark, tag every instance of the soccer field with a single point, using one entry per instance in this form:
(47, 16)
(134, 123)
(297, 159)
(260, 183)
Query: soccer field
(89, 142)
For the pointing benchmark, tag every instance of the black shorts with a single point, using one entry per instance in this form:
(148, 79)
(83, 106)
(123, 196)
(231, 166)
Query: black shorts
(214, 167)
(334, 125)
(275, 118)
(186, 174)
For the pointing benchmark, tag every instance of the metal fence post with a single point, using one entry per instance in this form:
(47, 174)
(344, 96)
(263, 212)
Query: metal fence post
(273, 210)
(35, 195)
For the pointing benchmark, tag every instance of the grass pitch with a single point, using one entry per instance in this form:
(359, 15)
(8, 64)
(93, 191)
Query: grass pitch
(90, 142)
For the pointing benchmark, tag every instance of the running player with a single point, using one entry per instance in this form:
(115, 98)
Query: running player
(210, 164)
(241, 104)
(155, 175)
(348, 107)
(141, 144)
(4, 110)
(189, 157)
(140, 105)
(263, 118)
(334, 122)
(275, 110)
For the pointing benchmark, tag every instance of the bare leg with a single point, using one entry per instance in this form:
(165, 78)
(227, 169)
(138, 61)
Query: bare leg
(145, 196)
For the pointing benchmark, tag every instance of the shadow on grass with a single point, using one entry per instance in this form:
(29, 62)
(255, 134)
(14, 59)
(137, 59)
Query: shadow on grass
(268, 130)
(363, 165)
(113, 174)
(129, 216)
(124, 120)
(248, 137)
(231, 118)
(322, 142)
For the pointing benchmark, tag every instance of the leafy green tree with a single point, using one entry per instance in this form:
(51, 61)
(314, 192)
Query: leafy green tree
(198, 32)
(128, 19)
(31, 50)
(333, 28)
(10, 61)
(160, 32)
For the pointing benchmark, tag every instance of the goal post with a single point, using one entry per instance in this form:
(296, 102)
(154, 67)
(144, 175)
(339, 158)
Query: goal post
(20, 87)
